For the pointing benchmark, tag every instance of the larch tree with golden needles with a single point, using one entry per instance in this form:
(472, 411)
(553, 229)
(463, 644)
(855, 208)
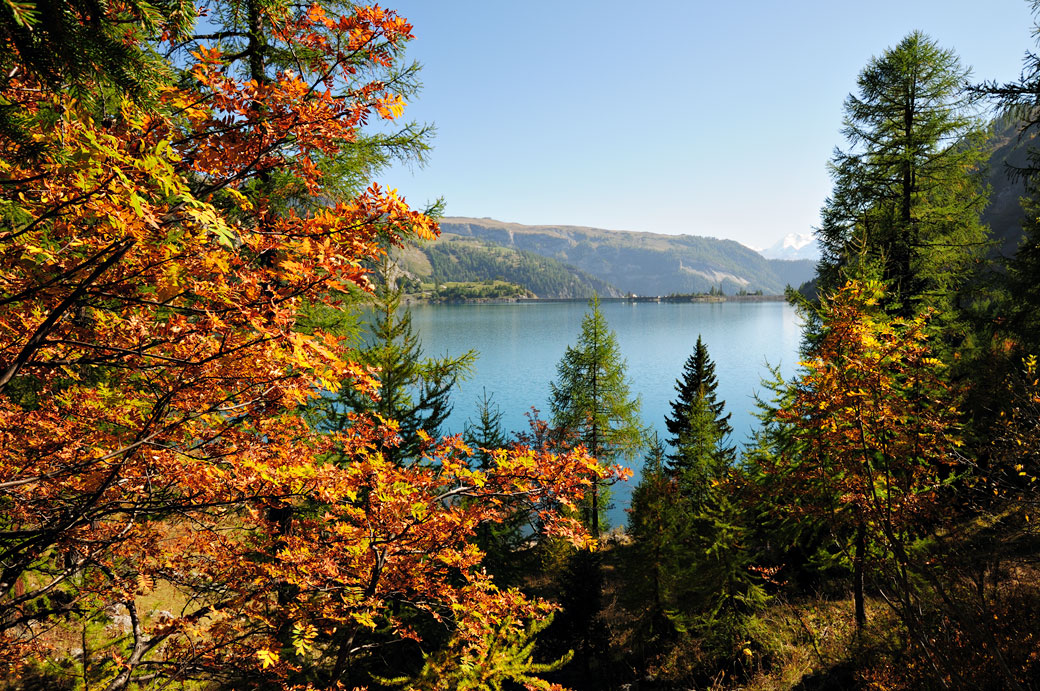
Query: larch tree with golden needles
(156, 248)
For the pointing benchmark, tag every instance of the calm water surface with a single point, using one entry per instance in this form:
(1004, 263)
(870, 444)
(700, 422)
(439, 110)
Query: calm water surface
(520, 344)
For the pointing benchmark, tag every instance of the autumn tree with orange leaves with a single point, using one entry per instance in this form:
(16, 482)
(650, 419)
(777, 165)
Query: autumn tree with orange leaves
(876, 429)
(156, 250)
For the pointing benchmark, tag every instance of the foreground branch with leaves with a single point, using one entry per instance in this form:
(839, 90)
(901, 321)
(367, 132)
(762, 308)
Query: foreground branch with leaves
(157, 248)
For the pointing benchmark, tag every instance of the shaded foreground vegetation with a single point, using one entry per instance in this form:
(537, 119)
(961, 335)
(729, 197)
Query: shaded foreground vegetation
(211, 478)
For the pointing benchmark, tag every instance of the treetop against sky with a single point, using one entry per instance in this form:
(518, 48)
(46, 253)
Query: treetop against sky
(677, 117)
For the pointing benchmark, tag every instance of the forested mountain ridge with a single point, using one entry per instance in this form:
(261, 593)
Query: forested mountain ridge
(466, 259)
(1004, 215)
(577, 261)
(642, 263)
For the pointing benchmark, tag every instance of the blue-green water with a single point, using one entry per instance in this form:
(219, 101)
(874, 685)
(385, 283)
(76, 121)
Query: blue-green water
(520, 344)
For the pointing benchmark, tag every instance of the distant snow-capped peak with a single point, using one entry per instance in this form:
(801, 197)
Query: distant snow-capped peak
(796, 241)
(793, 246)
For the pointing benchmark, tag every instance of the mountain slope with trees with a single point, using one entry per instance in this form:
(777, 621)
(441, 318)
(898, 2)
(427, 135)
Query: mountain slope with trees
(644, 263)
(1007, 148)
(455, 258)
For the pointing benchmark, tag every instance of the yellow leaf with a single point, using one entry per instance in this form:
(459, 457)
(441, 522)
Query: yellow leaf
(267, 658)
(365, 619)
(240, 198)
(303, 637)
(145, 584)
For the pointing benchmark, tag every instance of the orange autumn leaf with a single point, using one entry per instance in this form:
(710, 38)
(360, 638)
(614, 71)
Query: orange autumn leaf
(153, 372)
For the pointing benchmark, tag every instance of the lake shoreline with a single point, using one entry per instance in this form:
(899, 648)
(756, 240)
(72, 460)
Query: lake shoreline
(520, 347)
(419, 300)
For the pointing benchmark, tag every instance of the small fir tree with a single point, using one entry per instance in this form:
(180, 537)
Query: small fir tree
(649, 526)
(485, 434)
(499, 541)
(698, 381)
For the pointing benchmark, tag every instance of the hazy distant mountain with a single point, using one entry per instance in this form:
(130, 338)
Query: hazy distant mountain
(574, 261)
(643, 263)
(793, 246)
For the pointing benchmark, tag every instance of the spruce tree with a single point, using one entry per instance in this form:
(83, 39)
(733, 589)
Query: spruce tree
(689, 538)
(719, 595)
(711, 593)
(591, 399)
(485, 434)
(698, 381)
(699, 457)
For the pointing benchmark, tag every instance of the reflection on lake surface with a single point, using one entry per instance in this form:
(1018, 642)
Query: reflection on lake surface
(520, 344)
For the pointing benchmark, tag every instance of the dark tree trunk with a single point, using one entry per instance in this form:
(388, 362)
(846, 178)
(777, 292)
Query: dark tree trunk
(857, 575)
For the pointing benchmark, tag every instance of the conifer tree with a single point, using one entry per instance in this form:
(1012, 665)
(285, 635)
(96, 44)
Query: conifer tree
(698, 381)
(485, 434)
(500, 542)
(591, 406)
(649, 527)
(690, 536)
(414, 391)
(907, 193)
(700, 457)
(591, 399)
(720, 594)
(97, 51)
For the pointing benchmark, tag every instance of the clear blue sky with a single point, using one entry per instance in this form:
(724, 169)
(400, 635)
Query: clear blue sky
(672, 117)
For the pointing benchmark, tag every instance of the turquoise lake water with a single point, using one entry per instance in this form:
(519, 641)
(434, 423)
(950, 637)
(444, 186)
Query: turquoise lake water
(520, 344)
